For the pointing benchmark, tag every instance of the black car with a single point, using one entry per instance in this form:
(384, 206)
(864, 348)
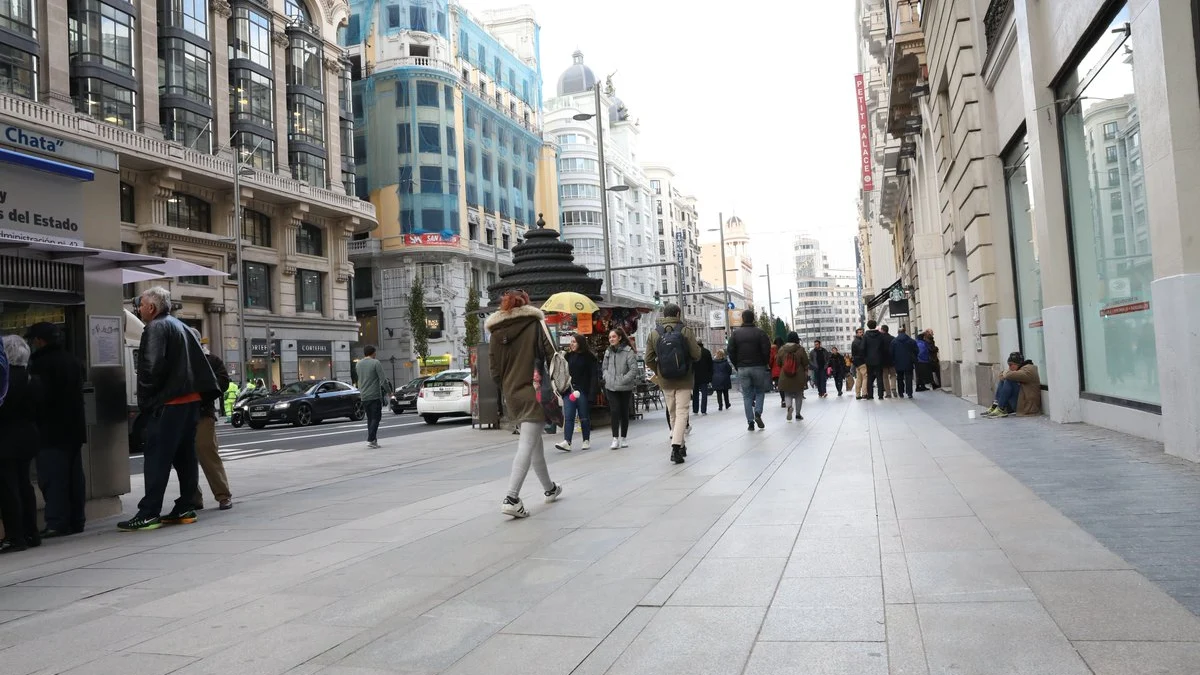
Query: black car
(305, 403)
(405, 397)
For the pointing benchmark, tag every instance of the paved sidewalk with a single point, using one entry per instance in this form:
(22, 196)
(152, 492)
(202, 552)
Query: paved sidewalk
(869, 538)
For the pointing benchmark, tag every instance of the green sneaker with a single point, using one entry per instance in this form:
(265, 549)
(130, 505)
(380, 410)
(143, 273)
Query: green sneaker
(137, 523)
(179, 518)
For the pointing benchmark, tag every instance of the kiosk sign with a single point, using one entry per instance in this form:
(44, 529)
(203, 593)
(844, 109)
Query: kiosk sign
(40, 208)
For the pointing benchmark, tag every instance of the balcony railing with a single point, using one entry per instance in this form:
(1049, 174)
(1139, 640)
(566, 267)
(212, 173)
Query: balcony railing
(415, 61)
(362, 246)
(126, 141)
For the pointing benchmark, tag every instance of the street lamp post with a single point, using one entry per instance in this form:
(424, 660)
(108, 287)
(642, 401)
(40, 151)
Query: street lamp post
(239, 170)
(724, 271)
(770, 302)
(604, 190)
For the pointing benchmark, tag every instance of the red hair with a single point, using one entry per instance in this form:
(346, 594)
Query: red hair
(513, 299)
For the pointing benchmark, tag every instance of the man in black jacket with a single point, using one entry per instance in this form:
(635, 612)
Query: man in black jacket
(750, 353)
(702, 372)
(173, 378)
(874, 346)
(858, 359)
(63, 430)
(818, 360)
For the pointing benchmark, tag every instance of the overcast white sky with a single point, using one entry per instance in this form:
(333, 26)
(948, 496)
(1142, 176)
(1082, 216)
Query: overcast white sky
(752, 104)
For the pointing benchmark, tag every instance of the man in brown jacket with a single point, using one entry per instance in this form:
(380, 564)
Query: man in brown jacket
(676, 388)
(1019, 391)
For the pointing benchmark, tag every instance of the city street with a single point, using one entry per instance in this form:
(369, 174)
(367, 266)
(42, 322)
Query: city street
(873, 537)
(246, 442)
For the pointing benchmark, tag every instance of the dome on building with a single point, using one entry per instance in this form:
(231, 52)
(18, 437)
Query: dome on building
(577, 78)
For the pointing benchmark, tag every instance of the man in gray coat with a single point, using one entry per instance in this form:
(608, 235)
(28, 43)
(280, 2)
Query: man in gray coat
(372, 389)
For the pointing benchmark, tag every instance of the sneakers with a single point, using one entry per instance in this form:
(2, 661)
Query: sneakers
(783, 404)
(676, 454)
(552, 495)
(997, 412)
(615, 444)
(683, 451)
(225, 504)
(372, 445)
(789, 415)
(624, 443)
(759, 422)
(563, 445)
(179, 518)
(750, 426)
(140, 523)
(587, 445)
(514, 507)
(992, 410)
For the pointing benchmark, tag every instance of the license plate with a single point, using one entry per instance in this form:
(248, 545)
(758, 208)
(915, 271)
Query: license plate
(262, 414)
(442, 393)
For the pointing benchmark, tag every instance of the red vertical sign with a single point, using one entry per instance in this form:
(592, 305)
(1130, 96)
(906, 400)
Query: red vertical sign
(864, 134)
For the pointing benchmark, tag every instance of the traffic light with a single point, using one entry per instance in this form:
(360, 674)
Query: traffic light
(658, 300)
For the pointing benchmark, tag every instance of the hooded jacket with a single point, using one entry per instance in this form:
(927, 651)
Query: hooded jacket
(722, 379)
(1029, 401)
(620, 368)
(512, 351)
(904, 352)
(793, 384)
(693, 348)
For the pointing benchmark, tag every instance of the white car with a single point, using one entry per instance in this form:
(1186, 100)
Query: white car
(447, 394)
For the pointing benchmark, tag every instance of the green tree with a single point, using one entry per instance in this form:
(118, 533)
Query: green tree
(764, 322)
(416, 319)
(472, 336)
(781, 329)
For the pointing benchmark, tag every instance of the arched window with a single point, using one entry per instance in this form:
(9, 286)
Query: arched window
(295, 9)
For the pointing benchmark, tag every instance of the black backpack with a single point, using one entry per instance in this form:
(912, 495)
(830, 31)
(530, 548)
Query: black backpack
(674, 361)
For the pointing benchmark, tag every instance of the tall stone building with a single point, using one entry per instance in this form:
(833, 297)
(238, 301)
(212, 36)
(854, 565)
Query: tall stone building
(677, 219)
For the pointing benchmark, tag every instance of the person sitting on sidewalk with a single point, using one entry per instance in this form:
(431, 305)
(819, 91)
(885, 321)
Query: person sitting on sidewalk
(1019, 391)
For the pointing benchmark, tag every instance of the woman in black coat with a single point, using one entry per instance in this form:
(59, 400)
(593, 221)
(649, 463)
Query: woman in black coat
(839, 369)
(722, 379)
(18, 507)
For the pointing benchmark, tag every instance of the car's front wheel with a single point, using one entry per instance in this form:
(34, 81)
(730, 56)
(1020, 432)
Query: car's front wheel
(397, 410)
(431, 419)
(358, 413)
(304, 415)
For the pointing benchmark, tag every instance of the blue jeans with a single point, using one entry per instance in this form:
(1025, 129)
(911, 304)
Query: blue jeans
(584, 409)
(756, 382)
(1007, 393)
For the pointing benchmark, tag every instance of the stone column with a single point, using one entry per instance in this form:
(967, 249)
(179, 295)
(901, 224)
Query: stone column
(54, 62)
(219, 31)
(1166, 80)
(148, 68)
(1050, 215)
(283, 119)
(333, 121)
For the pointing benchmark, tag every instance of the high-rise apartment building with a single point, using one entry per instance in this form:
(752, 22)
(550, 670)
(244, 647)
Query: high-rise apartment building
(827, 303)
(449, 149)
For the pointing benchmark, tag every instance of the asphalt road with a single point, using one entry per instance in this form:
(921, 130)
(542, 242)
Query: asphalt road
(246, 442)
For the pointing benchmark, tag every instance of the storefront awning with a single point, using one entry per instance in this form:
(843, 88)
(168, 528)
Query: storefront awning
(46, 165)
(134, 266)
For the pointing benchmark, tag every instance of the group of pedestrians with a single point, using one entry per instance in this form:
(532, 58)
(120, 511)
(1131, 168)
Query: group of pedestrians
(890, 366)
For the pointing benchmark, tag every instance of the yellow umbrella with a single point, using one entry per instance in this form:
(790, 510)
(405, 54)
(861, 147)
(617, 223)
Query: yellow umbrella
(569, 302)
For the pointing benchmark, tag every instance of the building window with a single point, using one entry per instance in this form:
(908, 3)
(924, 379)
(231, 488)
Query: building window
(451, 142)
(1110, 131)
(431, 180)
(580, 218)
(127, 203)
(418, 19)
(256, 228)
(404, 138)
(17, 16)
(194, 281)
(393, 16)
(406, 180)
(189, 15)
(304, 64)
(188, 213)
(186, 128)
(429, 138)
(252, 97)
(1112, 292)
(577, 165)
(103, 101)
(578, 191)
(184, 70)
(427, 94)
(448, 94)
(363, 288)
(308, 119)
(256, 294)
(18, 72)
(452, 181)
(309, 240)
(433, 220)
(308, 168)
(1114, 178)
(254, 150)
(250, 36)
(101, 34)
(1028, 270)
(309, 291)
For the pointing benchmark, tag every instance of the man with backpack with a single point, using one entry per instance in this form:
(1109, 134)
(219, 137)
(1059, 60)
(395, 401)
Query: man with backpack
(671, 352)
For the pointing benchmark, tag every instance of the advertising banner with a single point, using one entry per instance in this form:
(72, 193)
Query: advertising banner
(864, 134)
(39, 207)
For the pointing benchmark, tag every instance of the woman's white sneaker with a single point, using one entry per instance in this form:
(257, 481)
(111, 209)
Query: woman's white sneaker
(552, 495)
(587, 445)
(615, 444)
(624, 443)
(563, 445)
(515, 509)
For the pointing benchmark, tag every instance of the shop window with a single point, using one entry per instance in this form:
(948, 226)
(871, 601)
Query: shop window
(127, 203)
(257, 291)
(188, 213)
(427, 94)
(308, 291)
(1112, 292)
(1026, 261)
(256, 228)
(310, 240)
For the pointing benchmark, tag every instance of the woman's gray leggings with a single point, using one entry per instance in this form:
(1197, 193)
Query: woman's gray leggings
(529, 449)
